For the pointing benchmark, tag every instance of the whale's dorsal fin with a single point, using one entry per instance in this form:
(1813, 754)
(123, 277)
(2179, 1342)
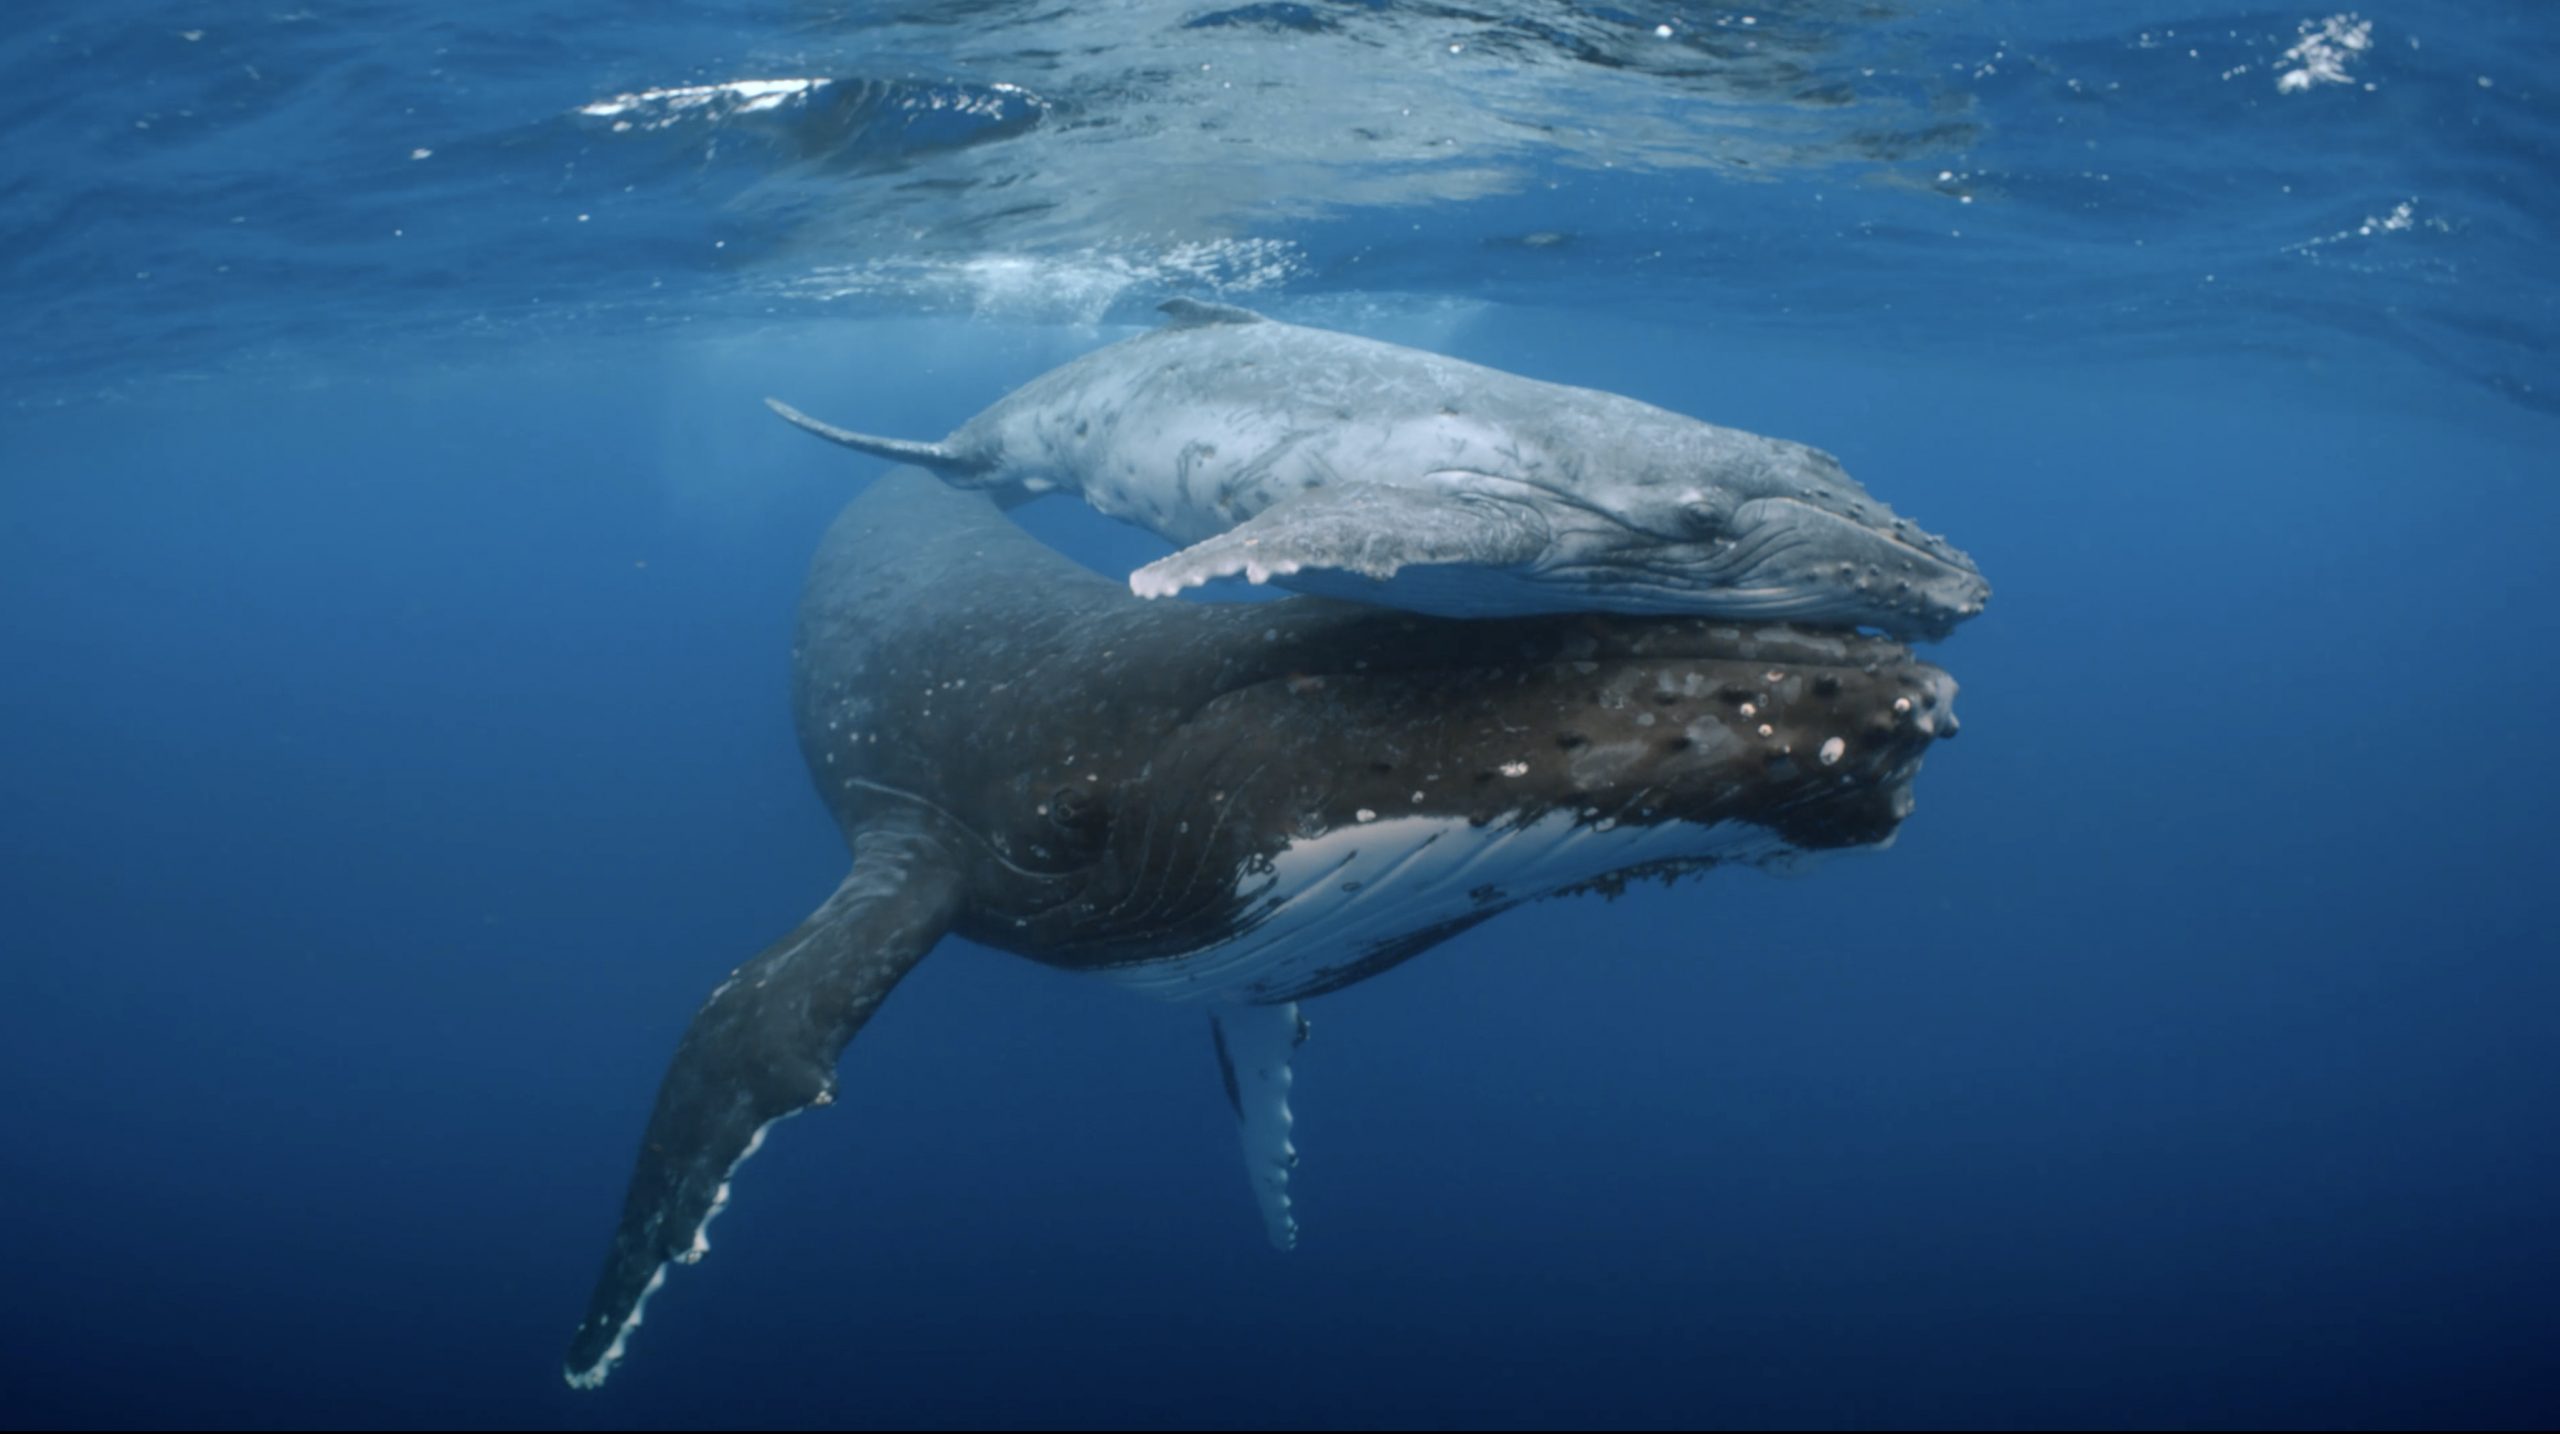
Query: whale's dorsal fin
(1193, 314)
(763, 1047)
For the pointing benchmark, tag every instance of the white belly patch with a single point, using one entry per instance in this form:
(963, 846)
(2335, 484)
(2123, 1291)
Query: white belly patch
(1329, 902)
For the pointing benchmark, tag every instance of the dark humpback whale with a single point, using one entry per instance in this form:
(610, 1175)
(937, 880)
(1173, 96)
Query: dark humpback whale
(1242, 805)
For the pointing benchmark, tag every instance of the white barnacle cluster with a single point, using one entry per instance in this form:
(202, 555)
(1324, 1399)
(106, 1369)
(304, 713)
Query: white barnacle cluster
(2320, 55)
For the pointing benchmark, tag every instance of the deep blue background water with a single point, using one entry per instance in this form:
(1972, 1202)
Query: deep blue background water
(396, 748)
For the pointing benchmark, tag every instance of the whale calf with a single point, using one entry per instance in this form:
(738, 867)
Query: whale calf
(1240, 806)
(1338, 465)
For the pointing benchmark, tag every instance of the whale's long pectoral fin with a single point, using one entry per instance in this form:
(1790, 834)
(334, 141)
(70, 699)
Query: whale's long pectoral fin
(1254, 1046)
(1367, 529)
(763, 1047)
(953, 467)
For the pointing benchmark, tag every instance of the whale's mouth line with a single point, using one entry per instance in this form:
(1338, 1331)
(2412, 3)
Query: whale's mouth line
(1919, 551)
(1783, 522)
(1792, 561)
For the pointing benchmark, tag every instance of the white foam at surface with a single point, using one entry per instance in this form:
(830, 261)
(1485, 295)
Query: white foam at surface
(2320, 56)
(1078, 288)
(2348, 247)
(659, 108)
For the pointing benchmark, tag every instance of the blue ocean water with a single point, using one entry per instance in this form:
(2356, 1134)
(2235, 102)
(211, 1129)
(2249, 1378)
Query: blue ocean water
(396, 573)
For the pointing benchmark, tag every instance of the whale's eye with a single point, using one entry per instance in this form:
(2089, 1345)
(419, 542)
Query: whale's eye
(1076, 813)
(1704, 514)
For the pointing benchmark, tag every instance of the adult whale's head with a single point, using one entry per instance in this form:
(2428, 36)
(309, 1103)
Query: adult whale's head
(1244, 804)
(1361, 785)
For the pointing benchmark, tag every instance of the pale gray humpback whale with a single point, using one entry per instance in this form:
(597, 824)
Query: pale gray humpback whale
(1343, 466)
(1243, 805)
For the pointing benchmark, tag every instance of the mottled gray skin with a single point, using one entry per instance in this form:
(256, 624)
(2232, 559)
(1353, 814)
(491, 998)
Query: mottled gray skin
(1022, 753)
(1344, 466)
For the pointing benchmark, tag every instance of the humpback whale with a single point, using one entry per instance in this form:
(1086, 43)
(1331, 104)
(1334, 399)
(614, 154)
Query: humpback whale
(1239, 805)
(1351, 468)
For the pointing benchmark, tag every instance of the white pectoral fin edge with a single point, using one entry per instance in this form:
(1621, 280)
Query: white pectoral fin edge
(1254, 1046)
(763, 1047)
(1368, 529)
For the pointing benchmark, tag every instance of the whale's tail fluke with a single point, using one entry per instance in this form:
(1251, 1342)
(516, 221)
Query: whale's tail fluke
(763, 1047)
(951, 466)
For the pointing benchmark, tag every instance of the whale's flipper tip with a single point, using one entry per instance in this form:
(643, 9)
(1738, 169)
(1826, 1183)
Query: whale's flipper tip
(1193, 314)
(763, 1047)
(1254, 1045)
